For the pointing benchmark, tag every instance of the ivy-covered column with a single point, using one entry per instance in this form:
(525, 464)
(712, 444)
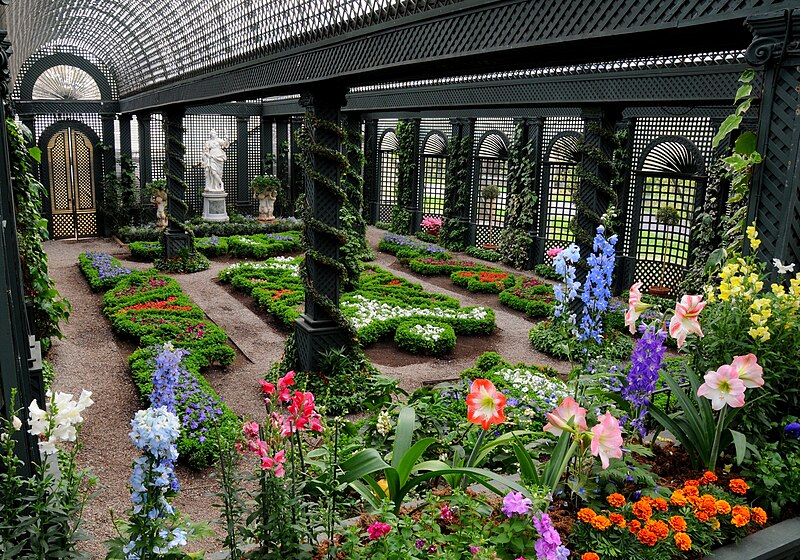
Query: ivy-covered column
(125, 135)
(626, 261)
(371, 170)
(322, 327)
(267, 162)
(109, 160)
(29, 122)
(242, 155)
(145, 154)
(775, 196)
(296, 183)
(282, 163)
(177, 238)
(596, 175)
(458, 185)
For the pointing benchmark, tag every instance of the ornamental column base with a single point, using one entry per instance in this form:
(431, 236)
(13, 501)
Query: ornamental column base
(214, 208)
(313, 338)
(176, 242)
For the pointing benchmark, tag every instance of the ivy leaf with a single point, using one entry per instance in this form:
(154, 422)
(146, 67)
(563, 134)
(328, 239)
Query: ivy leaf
(730, 124)
(744, 106)
(743, 91)
(746, 143)
(35, 153)
(747, 76)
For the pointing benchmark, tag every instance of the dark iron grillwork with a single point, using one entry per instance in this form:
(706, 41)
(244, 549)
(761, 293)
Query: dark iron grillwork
(434, 173)
(491, 169)
(559, 182)
(388, 171)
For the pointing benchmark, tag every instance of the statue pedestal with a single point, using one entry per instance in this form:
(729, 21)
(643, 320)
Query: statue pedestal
(214, 209)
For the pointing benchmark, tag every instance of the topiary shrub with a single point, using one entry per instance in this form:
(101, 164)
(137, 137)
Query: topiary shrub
(425, 337)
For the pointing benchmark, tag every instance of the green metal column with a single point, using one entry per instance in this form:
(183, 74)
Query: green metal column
(267, 161)
(371, 197)
(243, 201)
(145, 154)
(176, 238)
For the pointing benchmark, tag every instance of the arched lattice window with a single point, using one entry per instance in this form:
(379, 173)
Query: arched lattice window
(491, 170)
(434, 172)
(388, 171)
(561, 186)
(65, 82)
(670, 183)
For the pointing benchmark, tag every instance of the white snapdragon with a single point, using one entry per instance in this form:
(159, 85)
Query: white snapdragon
(59, 421)
(383, 425)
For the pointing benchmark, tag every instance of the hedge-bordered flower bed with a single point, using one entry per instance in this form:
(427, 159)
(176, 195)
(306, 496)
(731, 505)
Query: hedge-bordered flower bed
(530, 296)
(435, 266)
(101, 270)
(406, 247)
(485, 281)
(425, 337)
(148, 251)
(263, 246)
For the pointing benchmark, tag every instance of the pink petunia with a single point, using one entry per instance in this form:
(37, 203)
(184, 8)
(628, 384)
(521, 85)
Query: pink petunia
(685, 321)
(723, 387)
(559, 418)
(749, 371)
(607, 439)
(635, 306)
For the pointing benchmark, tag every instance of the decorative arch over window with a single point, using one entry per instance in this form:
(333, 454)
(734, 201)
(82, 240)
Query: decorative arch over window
(41, 64)
(65, 82)
(560, 186)
(388, 173)
(670, 183)
(434, 174)
(491, 170)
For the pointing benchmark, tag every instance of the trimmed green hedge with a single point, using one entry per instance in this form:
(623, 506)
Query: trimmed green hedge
(148, 251)
(530, 296)
(437, 266)
(484, 282)
(263, 246)
(425, 337)
(101, 270)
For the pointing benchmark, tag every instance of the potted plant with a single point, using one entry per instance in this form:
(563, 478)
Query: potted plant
(265, 189)
(669, 217)
(489, 194)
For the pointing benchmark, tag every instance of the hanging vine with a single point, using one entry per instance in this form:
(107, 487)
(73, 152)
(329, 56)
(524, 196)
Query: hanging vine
(516, 238)
(401, 213)
(456, 195)
(348, 274)
(615, 168)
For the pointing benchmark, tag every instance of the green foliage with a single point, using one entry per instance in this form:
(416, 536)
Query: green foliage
(485, 254)
(426, 237)
(439, 266)
(263, 246)
(547, 271)
(406, 165)
(530, 296)
(49, 309)
(516, 238)
(265, 183)
(246, 226)
(668, 215)
(405, 247)
(455, 225)
(425, 337)
(120, 206)
(553, 341)
(774, 474)
(93, 275)
(184, 262)
(484, 282)
(145, 251)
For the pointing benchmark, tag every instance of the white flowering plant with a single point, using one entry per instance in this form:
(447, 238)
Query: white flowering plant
(424, 337)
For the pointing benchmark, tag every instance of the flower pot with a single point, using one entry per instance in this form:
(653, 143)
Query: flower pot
(658, 291)
(489, 246)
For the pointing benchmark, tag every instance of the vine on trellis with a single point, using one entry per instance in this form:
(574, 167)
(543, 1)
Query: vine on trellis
(401, 213)
(616, 167)
(348, 274)
(516, 238)
(456, 195)
(175, 197)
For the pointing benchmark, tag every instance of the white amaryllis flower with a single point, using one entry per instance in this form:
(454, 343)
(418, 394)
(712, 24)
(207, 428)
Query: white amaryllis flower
(782, 268)
(59, 421)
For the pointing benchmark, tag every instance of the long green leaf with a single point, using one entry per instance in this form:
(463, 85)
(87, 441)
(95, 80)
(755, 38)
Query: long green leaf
(554, 467)
(368, 495)
(699, 434)
(411, 456)
(404, 434)
(527, 468)
(740, 442)
(366, 461)
(487, 448)
(730, 124)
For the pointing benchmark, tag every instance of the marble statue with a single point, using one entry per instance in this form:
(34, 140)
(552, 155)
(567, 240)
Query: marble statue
(213, 161)
(160, 200)
(266, 206)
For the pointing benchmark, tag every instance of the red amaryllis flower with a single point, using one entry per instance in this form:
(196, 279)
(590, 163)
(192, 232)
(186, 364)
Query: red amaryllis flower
(485, 404)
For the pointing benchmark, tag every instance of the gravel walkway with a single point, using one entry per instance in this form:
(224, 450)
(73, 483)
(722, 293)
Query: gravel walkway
(90, 356)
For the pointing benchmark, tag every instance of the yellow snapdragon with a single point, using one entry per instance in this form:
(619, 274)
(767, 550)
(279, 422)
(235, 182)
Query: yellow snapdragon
(752, 235)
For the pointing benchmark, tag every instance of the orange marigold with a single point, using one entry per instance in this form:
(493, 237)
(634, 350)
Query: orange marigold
(659, 528)
(648, 537)
(661, 504)
(589, 556)
(586, 515)
(714, 524)
(618, 520)
(601, 522)
(677, 523)
(634, 526)
(759, 515)
(678, 498)
(616, 500)
(708, 477)
(702, 515)
(683, 541)
(708, 504)
(642, 510)
(738, 485)
(692, 482)
(691, 491)
(723, 507)
(740, 516)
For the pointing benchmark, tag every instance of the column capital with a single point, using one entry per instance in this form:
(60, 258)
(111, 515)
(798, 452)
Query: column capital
(774, 35)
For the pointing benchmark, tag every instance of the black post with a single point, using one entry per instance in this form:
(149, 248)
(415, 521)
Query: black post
(282, 162)
(626, 261)
(296, 179)
(176, 238)
(415, 212)
(125, 135)
(775, 195)
(464, 129)
(18, 370)
(266, 164)
(145, 154)
(371, 198)
(109, 163)
(317, 330)
(242, 154)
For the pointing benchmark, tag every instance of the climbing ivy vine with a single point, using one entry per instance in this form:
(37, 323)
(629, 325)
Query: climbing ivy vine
(401, 213)
(456, 195)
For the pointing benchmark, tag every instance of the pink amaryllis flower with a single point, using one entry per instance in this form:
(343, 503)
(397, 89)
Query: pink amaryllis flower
(607, 439)
(723, 387)
(635, 306)
(559, 418)
(553, 253)
(749, 371)
(684, 321)
(485, 404)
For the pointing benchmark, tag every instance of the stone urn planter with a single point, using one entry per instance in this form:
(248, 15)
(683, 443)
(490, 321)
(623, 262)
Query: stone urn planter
(265, 190)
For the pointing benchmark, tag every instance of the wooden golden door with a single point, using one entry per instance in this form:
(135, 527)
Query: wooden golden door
(70, 162)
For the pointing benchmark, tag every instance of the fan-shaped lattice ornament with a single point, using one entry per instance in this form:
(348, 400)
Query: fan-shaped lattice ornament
(564, 149)
(389, 142)
(65, 82)
(673, 156)
(435, 145)
(493, 145)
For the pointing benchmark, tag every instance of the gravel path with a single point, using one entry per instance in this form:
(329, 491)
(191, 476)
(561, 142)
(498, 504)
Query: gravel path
(90, 356)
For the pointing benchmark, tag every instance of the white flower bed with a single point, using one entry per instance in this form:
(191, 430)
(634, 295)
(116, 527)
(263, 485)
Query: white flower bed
(363, 312)
(276, 263)
(534, 385)
(428, 332)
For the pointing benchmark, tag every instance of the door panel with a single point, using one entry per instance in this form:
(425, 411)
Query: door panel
(70, 157)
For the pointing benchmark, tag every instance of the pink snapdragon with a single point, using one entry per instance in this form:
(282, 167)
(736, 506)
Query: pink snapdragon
(302, 415)
(378, 530)
(607, 439)
(553, 252)
(685, 321)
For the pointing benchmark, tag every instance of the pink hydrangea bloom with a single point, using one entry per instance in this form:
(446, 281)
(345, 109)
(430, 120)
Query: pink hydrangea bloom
(723, 387)
(607, 439)
(685, 321)
(558, 419)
